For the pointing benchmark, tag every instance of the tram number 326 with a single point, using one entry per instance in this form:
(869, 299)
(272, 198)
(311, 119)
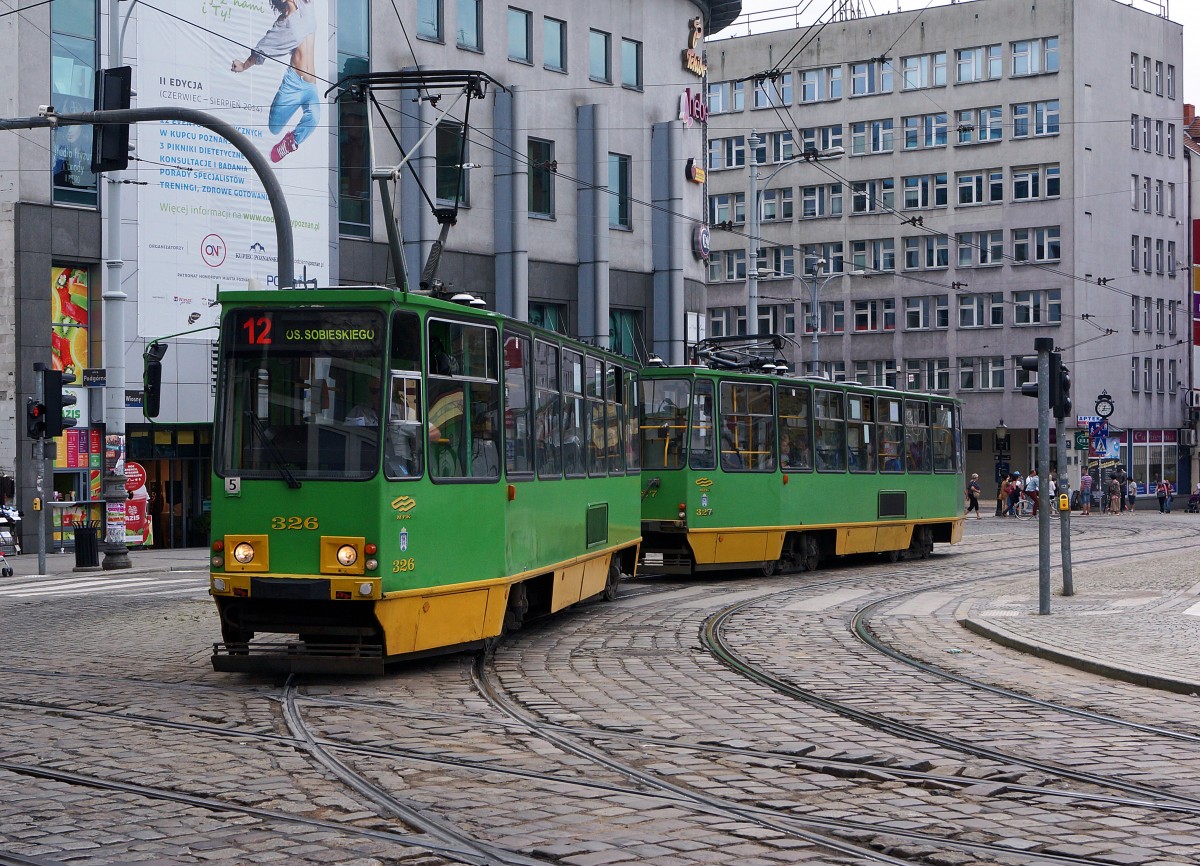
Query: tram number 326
(401, 565)
(294, 523)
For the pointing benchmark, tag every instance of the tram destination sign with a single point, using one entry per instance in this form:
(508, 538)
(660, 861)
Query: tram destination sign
(306, 330)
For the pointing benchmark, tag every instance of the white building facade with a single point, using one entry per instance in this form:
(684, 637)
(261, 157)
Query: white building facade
(998, 171)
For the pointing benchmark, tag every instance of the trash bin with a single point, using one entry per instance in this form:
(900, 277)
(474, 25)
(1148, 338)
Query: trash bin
(87, 545)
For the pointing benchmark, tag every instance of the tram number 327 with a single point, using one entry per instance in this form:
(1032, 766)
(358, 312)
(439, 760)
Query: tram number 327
(294, 523)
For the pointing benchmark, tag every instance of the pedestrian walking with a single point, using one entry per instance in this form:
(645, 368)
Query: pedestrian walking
(973, 491)
(1032, 489)
(1165, 492)
(1114, 496)
(1085, 493)
(1131, 497)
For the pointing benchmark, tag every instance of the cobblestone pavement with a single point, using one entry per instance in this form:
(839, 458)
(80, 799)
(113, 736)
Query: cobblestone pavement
(94, 681)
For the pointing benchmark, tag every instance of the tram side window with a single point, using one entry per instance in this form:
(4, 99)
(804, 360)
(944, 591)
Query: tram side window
(860, 415)
(404, 438)
(891, 434)
(633, 421)
(575, 424)
(463, 403)
(704, 413)
(406, 341)
(795, 428)
(547, 425)
(916, 435)
(615, 425)
(664, 422)
(747, 437)
(594, 389)
(831, 431)
(945, 454)
(518, 430)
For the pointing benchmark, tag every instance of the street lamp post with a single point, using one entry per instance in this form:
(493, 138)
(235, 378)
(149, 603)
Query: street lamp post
(814, 305)
(754, 217)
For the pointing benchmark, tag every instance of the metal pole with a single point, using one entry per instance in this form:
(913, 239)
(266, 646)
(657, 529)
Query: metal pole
(1064, 517)
(112, 485)
(815, 310)
(1044, 345)
(752, 251)
(39, 394)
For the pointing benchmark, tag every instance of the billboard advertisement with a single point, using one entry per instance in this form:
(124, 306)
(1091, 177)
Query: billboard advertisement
(204, 218)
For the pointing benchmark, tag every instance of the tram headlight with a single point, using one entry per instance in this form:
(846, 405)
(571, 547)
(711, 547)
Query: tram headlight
(347, 555)
(243, 552)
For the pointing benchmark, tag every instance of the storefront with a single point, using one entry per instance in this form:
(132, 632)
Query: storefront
(177, 464)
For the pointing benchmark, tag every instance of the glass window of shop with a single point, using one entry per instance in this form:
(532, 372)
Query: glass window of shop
(1152, 459)
(72, 85)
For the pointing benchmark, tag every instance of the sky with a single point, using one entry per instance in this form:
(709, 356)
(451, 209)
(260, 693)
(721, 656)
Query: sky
(767, 15)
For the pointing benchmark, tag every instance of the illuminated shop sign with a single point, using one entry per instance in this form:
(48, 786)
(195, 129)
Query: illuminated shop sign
(693, 60)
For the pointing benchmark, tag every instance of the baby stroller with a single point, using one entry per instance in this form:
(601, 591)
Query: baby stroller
(1194, 503)
(9, 517)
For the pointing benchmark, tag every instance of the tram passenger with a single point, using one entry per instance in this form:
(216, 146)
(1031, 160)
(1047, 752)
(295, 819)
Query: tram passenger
(366, 413)
(730, 458)
(789, 454)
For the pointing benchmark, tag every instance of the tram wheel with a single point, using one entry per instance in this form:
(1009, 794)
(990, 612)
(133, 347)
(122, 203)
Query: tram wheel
(769, 568)
(810, 552)
(518, 606)
(610, 586)
(922, 543)
(894, 555)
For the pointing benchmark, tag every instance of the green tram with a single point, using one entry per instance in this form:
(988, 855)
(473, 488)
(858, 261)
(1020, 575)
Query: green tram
(399, 474)
(747, 469)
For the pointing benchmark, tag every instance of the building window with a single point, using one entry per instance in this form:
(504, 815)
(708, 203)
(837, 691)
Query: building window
(926, 252)
(983, 310)
(600, 56)
(1171, 140)
(966, 374)
(979, 64)
(520, 35)
(354, 158)
(1146, 74)
(921, 71)
(1042, 307)
(927, 313)
(1172, 263)
(631, 64)
(818, 138)
(470, 25)
(991, 372)
(980, 249)
(820, 201)
(73, 49)
(452, 179)
(1170, 81)
(924, 191)
(981, 187)
(870, 77)
(1036, 244)
(726, 152)
(726, 96)
(872, 136)
(873, 196)
(1133, 131)
(1035, 118)
(1135, 368)
(554, 44)
(874, 316)
(619, 191)
(552, 317)
(777, 204)
(1147, 374)
(980, 125)
(1133, 70)
(1035, 56)
(429, 19)
(924, 130)
(1158, 78)
(727, 207)
(878, 254)
(773, 93)
(541, 177)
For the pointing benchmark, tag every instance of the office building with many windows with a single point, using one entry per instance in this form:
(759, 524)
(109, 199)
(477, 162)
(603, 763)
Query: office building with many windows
(965, 179)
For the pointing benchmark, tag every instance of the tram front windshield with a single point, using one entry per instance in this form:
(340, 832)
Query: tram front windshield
(300, 394)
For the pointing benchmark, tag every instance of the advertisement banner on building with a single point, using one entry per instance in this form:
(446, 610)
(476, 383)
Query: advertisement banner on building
(69, 319)
(204, 218)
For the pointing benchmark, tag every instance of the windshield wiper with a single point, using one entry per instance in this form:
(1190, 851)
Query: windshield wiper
(272, 451)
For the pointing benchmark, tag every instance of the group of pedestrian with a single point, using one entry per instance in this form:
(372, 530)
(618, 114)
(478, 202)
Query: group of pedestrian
(1118, 493)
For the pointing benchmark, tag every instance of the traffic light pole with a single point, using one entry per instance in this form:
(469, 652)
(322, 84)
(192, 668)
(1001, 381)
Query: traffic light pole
(42, 465)
(1044, 346)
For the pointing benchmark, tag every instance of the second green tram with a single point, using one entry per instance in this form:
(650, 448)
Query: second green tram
(746, 470)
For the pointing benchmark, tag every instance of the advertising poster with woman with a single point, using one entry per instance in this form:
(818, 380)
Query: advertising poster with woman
(205, 220)
(69, 320)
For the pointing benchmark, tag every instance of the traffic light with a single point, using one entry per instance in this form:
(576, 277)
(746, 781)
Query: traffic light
(1030, 362)
(152, 379)
(35, 418)
(56, 400)
(1062, 407)
(110, 141)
